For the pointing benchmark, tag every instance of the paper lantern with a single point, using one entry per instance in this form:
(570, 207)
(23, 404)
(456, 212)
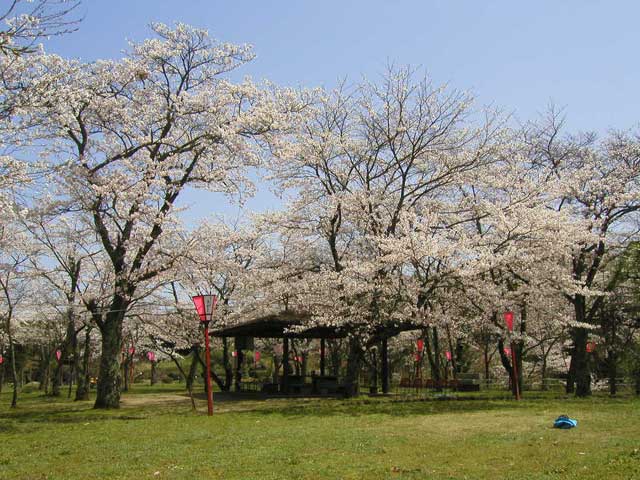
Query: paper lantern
(234, 354)
(1, 360)
(591, 346)
(58, 355)
(132, 350)
(417, 357)
(448, 355)
(507, 351)
(205, 306)
(256, 355)
(151, 356)
(420, 344)
(508, 319)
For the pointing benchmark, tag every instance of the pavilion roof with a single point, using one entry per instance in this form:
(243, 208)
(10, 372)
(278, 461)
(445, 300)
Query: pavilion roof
(279, 325)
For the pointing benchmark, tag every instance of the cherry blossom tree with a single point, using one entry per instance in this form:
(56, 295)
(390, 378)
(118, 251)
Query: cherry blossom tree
(131, 135)
(598, 185)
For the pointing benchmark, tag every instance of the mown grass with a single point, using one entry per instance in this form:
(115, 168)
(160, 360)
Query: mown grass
(155, 435)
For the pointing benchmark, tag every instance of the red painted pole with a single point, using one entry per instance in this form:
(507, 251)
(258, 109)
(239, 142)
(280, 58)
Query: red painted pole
(208, 361)
(516, 383)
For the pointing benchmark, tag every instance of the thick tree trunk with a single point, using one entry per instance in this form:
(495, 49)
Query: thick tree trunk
(579, 358)
(582, 371)
(354, 360)
(433, 355)
(109, 381)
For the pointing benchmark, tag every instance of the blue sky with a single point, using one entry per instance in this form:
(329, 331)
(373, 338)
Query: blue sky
(518, 55)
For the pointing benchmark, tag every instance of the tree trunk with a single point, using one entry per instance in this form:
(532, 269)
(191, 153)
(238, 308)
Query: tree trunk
(543, 372)
(82, 390)
(153, 379)
(125, 374)
(571, 375)
(193, 368)
(228, 368)
(354, 361)
(14, 372)
(75, 365)
(433, 355)
(487, 370)
(56, 379)
(612, 357)
(43, 365)
(109, 381)
(506, 363)
(187, 378)
(582, 372)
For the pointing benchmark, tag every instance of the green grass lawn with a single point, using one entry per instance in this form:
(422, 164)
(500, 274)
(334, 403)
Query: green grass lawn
(155, 435)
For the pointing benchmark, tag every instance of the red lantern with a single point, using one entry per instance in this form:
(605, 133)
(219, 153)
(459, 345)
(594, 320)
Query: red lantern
(132, 350)
(420, 344)
(508, 319)
(205, 306)
(591, 346)
(507, 351)
(151, 356)
(58, 355)
(1, 360)
(234, 354)
(448, 355)
(256, 355)
(417, 357)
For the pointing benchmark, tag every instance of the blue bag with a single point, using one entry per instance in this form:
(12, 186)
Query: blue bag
(564, 421)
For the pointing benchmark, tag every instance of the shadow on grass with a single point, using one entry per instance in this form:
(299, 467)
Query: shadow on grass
(363, 407)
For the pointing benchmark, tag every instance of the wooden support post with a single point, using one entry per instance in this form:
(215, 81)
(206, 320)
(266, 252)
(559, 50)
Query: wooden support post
(285, 365)
(322, 356)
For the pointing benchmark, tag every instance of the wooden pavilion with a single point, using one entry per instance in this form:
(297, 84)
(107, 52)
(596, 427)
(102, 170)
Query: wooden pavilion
(289, 325)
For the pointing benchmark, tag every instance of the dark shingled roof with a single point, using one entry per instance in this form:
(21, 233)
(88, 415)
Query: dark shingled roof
(278, 326)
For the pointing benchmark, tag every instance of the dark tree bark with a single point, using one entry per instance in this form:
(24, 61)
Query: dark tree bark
(109, 379)
(354, 361)
(82, 390)
(153, 379)
(335, 357)
(433, 355)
